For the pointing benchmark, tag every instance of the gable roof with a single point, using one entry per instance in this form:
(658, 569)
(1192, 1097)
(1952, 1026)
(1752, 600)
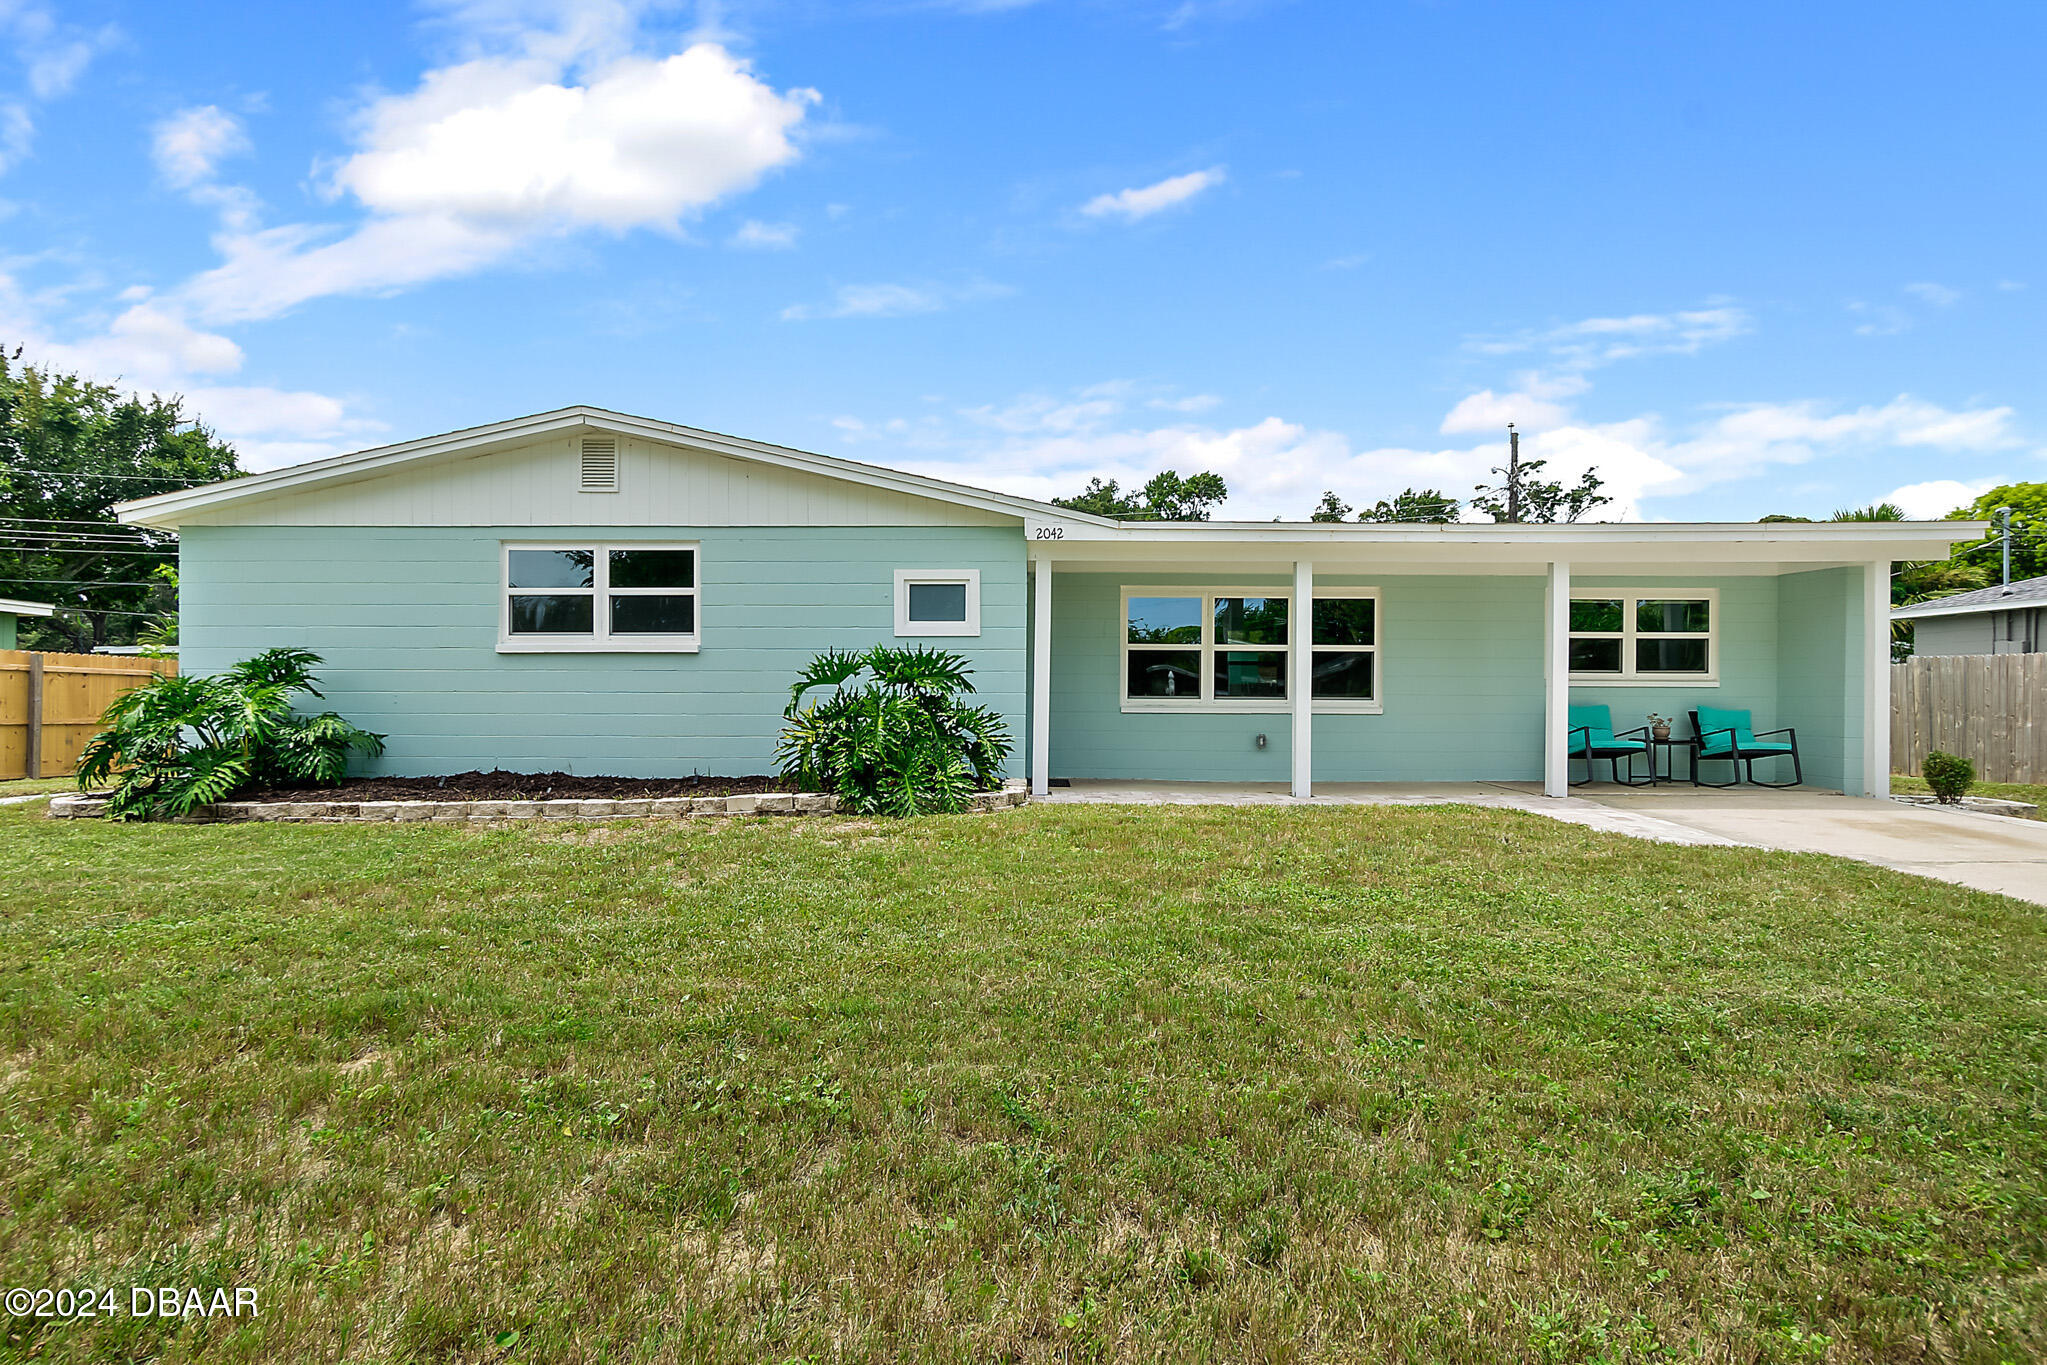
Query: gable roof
(1061, 532)
(166, 510)
(2027, 592)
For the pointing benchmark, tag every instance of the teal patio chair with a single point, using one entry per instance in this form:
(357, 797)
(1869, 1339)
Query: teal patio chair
(1729, 736)
(1592, 738)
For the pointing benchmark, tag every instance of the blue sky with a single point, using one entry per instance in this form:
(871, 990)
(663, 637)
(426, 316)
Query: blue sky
(1744, 258)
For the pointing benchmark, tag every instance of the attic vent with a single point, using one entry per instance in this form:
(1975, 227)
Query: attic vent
(600, 464)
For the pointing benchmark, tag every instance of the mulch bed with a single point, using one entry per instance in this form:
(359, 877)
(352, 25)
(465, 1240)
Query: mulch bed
(504, 786)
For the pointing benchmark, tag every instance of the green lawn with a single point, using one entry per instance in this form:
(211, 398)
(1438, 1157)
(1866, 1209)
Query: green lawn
(1057, 1084)
(2034, 793)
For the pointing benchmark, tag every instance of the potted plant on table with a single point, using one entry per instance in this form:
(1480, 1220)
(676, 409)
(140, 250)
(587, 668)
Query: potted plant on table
(1659, 726)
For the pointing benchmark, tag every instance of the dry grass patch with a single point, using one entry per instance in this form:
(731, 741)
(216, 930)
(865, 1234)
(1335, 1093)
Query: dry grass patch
(1078, 1083)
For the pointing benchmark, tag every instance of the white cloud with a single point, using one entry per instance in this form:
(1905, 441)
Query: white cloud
(190, 145)
(1939, 295)
(1936, 498)
(495, 153)
(1133, 204)
(758, 236)
(53, 55)
(1050, 445)
(1604, 340)
(150, 347)
(893, 300)
(509, 142)
(1880, 319)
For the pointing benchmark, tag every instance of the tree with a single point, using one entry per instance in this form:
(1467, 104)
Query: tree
(71, 448)
(2028, 503)
(1408, 505)
(1411, 505)
(1520, 496)
(1331, 508)
(1167, 497)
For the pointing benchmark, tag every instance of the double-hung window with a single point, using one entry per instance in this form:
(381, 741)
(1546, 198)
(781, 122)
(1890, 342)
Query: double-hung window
(1640, 638)
(1239, 649)
(614, 597)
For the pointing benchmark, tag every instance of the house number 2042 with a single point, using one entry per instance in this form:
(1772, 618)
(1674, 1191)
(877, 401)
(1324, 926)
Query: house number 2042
(1048, 533)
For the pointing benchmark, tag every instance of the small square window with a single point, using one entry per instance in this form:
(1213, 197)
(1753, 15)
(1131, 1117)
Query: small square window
(938, 602)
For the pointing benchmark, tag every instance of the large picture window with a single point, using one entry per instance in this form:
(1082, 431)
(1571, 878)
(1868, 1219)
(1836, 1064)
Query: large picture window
(599, 597)
(1235, 649)
(1643, 638)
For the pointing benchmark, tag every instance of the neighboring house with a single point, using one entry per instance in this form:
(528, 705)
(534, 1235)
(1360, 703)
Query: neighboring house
(11, 612)
(2006, 620)
(607, 594)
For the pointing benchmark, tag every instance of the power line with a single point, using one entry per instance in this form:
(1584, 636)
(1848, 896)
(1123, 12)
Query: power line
(71, 537)
(95, 582)
(56, 521)
(126, 478)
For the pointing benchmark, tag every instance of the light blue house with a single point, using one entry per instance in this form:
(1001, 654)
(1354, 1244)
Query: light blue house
(11, 612)
(606, 594)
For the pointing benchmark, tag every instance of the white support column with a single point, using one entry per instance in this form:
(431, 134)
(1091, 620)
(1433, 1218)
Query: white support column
(1556, 682)
(1041, 678)
(1876, 683)
(1301, 677)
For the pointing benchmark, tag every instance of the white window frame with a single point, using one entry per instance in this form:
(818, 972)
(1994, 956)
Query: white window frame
(906, 627)
(1299, 646)
(600, 640)
(1630, 675)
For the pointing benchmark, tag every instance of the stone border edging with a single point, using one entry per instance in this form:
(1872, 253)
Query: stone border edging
(448, 812)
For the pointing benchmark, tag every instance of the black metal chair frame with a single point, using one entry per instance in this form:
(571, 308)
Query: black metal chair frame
(1739, 757)
(1613, 755)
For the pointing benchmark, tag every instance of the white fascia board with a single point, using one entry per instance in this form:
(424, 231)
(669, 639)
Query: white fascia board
(13, 607)
(1790, 542)
(166, 509)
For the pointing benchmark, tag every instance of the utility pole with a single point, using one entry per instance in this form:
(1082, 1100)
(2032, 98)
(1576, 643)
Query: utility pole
(2004, 533)
(1514, 482)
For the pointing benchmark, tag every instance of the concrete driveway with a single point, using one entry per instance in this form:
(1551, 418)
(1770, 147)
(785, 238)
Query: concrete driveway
(1987, 852)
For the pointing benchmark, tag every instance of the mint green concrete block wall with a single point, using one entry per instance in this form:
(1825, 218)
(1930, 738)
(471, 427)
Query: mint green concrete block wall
(7, 635)
(1820, 634)
(1456, 657)
(406, 619)
(1460, 676)
(1749, 647)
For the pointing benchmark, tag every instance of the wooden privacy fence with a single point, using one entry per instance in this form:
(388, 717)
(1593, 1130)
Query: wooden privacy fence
(50, 705)
(1988, 708)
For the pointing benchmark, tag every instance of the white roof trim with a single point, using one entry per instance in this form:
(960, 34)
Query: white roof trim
(1854, 540)
(12, 607)
(166, 509)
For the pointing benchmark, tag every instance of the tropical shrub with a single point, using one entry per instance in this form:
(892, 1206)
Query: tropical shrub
(894, 736)
(176, 743)
(1949, 776)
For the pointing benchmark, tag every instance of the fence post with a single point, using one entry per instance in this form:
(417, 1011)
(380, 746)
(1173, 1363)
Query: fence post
(34, 762)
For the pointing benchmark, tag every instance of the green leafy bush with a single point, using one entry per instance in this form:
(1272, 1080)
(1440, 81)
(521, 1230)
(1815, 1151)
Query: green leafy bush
(1949, 776)
(898, 741)
(176, 743)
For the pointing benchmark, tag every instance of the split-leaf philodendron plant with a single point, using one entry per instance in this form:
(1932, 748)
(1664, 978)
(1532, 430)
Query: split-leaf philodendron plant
(893, 737)
(175, 743)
